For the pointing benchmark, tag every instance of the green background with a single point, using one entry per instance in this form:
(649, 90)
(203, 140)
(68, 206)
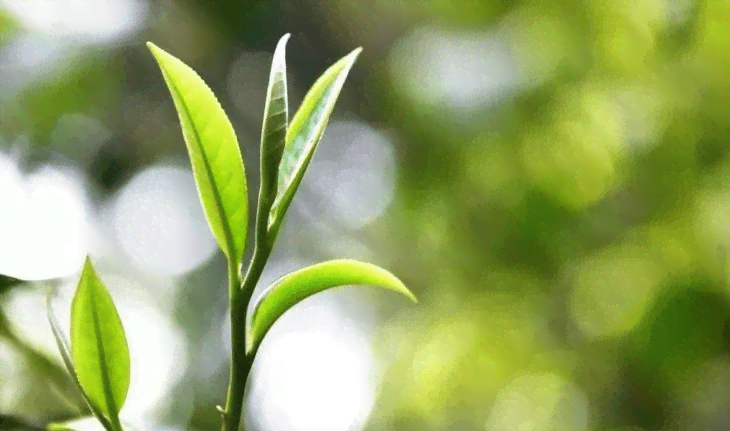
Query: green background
(560, 210)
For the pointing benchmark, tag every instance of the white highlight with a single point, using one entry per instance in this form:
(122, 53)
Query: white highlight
(94, 20)
(353, 175)
(461, 71)
(43, 221)
(313, 372)
(160, 224)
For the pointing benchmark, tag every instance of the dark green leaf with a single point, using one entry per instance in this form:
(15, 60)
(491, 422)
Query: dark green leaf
(295, 287)
(8, 282)
(98, 345)
(214, 154)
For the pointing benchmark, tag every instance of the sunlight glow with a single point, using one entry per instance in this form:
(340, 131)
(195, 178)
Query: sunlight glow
(43, 221)
(95, 20)
(160, 224)
(313, 373)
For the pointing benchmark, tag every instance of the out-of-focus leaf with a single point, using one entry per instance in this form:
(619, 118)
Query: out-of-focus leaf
(98, 345)
(305, 132)
(273, 132)
(9, 423)
(214, 153)
(8, 282)
(299, 285)
(7, 26)
(86, 424)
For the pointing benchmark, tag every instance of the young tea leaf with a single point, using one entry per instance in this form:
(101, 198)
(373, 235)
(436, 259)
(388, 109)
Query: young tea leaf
(295, 287)
(98, 345)
(66, 356)
(273, 132)
(305, 132)
(214, 153)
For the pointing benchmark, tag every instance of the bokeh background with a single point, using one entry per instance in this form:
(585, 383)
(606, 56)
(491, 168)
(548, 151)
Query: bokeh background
(551, 178)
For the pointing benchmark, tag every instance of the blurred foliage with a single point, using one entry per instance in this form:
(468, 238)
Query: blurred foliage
(561, 228)
(8, 282)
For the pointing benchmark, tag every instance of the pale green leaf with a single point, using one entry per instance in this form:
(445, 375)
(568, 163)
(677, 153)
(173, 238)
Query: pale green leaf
(273, 132)
(66, 356)
(305, 132)
(295, 287)
(214, 154)
(98, 345)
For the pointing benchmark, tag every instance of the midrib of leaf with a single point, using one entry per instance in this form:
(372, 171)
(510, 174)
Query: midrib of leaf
(106, 382)
(282, 125)
(209, 173)
(66, 357)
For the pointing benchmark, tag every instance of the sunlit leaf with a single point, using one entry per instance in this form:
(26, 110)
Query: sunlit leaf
(305, 132)
(214, 153)
(273, 132)
(295, 287)
(98, 345)
(66, 356)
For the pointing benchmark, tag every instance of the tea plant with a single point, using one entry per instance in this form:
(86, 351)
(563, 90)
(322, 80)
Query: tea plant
(98, 357)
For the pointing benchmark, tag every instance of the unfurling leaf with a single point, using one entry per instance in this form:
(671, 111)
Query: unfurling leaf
(214, 154)
(305, 132)
(295, 287)
(273, 132)
(98, 345)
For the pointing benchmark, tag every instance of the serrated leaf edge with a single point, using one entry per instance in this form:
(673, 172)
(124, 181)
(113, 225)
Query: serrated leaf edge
(230, 243)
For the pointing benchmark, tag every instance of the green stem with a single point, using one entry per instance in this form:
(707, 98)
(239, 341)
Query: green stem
(240, 295)
(240, 362)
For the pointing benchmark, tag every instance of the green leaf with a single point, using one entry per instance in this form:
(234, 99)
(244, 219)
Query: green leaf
(273, 132)
(295, 287)
(214, 154)
(305, 132)
(66, 356)
(98, 345)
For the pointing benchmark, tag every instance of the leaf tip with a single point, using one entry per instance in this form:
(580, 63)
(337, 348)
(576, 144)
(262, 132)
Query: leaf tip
(412, 297)
(280, 47)
(152, 47)
(156, 51)
(407, 292)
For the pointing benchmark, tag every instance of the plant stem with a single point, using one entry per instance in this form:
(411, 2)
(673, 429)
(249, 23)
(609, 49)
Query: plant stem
(240, 362)
(116, 423)
(240, 294)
